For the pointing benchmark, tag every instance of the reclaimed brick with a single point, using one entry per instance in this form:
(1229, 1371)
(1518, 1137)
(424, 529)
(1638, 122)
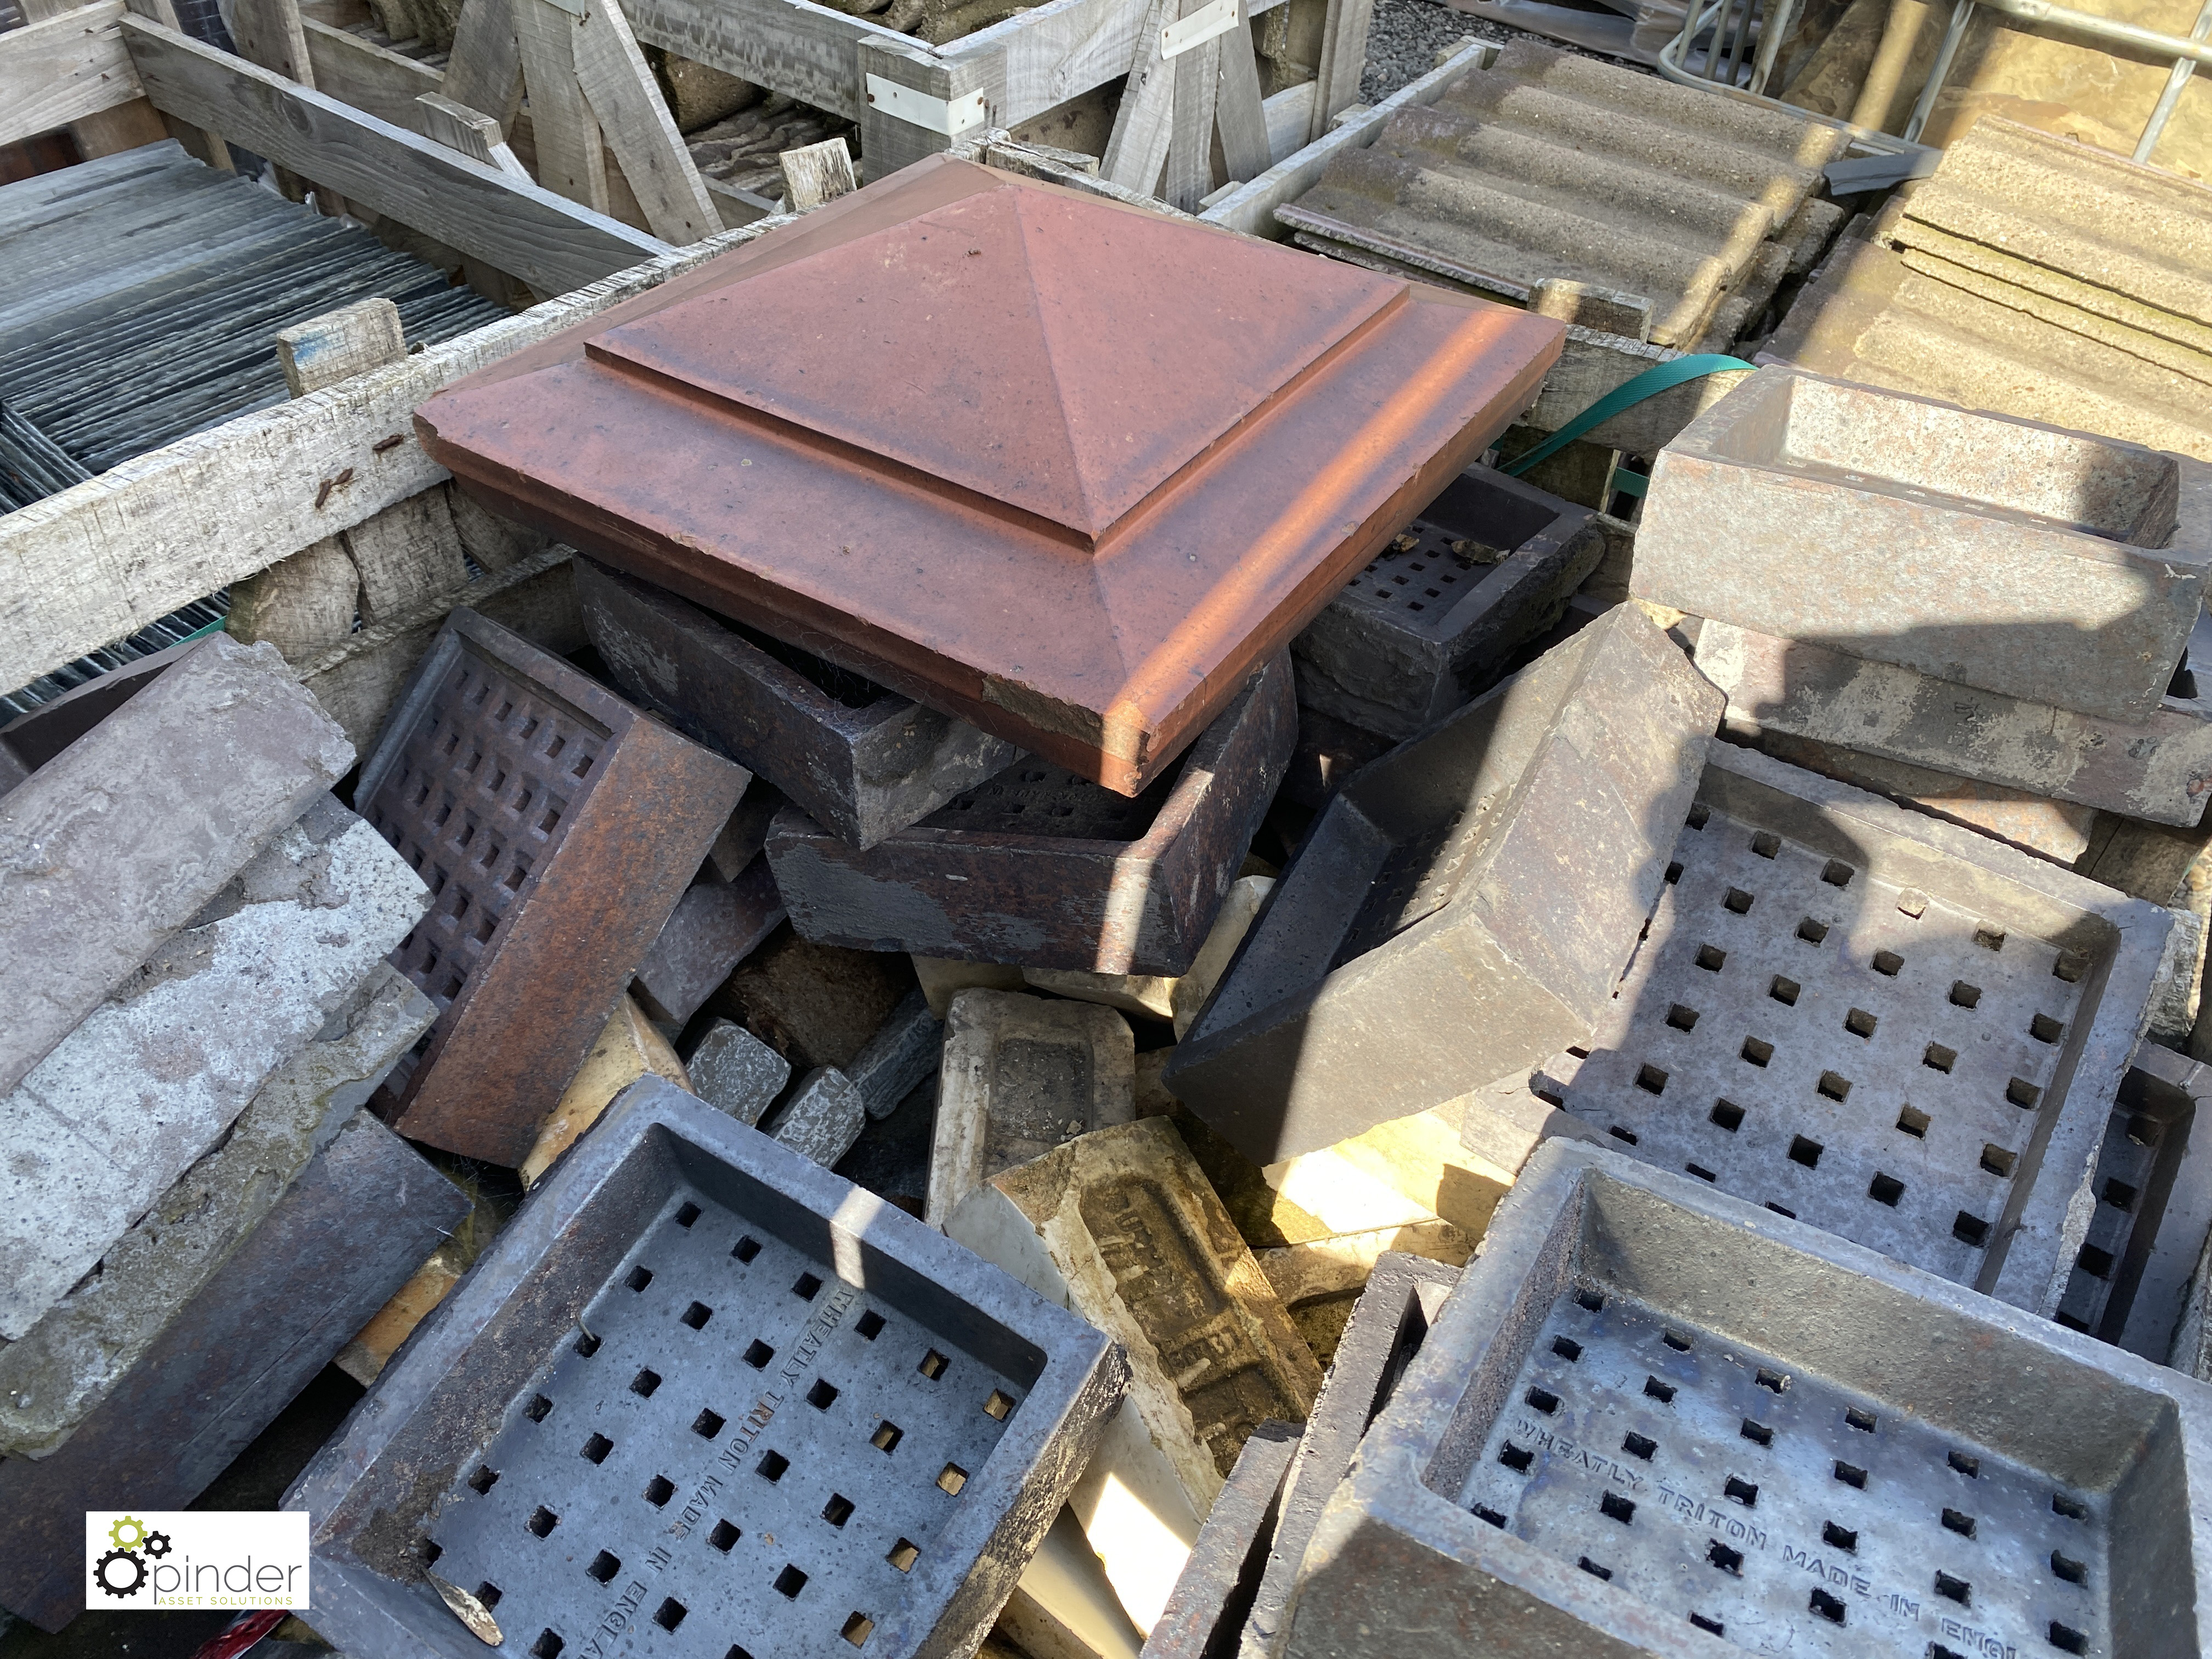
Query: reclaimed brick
(944, 978)
(1041, 868)
(1177, 998)
(119, 840)
(1435, 617)
(822, 1118)
(734, 1071)
(860, 760)
(1463, 905)
(626, 1049)
(1021, 1075)
(557, 828)
(1215, 1592)
(905, 1051)
(344, 1236)
(107, 1121)
(1122, 1226)
(716, 925)
(2043, 564)
(746, 833)
(86, 1345)
(2158, 769)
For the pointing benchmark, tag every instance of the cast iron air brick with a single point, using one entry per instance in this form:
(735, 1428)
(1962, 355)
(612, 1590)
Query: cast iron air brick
(2155, 771)
(2153, 1191)
(1433, 619)
(1124, 458)
(557, 828)
(2050, 566)
(1212, 1597)
(1464, 905)
(702, 1388)
(1922, 1030)
(1388, 1325)
(351, 1229)
(1041, 868)
(860, 761)
(1651, 1415)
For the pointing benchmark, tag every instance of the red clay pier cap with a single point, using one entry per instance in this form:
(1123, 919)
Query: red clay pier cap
(1066, 469)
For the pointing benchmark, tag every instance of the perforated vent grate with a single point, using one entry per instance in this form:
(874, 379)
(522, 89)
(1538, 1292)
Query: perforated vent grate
(1857, 1054)
(735, 1453)
(1778, 1510)
(1422, 575)
(479, 798)
(2126, 1168)
(1034, 799)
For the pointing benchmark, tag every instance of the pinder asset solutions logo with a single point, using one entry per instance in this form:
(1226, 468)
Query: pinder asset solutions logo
(171, 1561)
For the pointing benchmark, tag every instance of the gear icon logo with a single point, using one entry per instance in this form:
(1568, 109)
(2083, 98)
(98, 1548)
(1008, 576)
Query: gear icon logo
(131, 1524)
(157, 1544)
(108, 1571)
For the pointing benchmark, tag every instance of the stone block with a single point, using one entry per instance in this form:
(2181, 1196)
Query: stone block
(1211, 1600)
(822, 1118)
(860, 760)
(1176, 999)
(1897, 1030)
(626, 1050)
(1041, 868)
(1065, 1607)
(944, 978)
(1963, 1464)
(2158, 769)
(31, 739)
(904, 1052)
(557, 827)
(119, 839)
(2046, 565)
(86, 1345)
(334, 1247)
(1463, 905)
(734, 1071)
(106, 1124)
(1022, 1075)
(937, 1411)
(715, 926)
(1122, 1226)
(816, 1005)
(1436, 617)
(1403, 1297)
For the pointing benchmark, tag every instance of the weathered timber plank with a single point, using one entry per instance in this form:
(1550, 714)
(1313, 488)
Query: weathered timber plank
(792, 46)
(640, 130)
(63, 70)
(516, 227)
(102, 559)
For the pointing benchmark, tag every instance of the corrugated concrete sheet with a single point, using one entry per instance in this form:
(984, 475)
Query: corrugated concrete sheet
(1550, 166)
(2035, 277)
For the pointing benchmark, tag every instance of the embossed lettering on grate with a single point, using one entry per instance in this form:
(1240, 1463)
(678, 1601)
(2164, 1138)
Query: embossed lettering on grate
(1776, 1509)
(480, 797)
(1841, 1048)
(736, 1456)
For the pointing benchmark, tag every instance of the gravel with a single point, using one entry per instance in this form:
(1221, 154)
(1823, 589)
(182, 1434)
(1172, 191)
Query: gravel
(1403, 37)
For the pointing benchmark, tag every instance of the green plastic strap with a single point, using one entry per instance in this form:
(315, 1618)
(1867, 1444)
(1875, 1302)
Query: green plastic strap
(1659, 377)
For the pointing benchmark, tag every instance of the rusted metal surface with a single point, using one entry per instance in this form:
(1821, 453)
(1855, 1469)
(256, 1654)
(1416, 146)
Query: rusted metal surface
(1434, 618)
(1041, 868)
(861, 761)
(1125, 459)
(356, 1224)
(557, 828)
(703, 1389)
(1550, 166)
(1465, 904)
(2047, 565)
